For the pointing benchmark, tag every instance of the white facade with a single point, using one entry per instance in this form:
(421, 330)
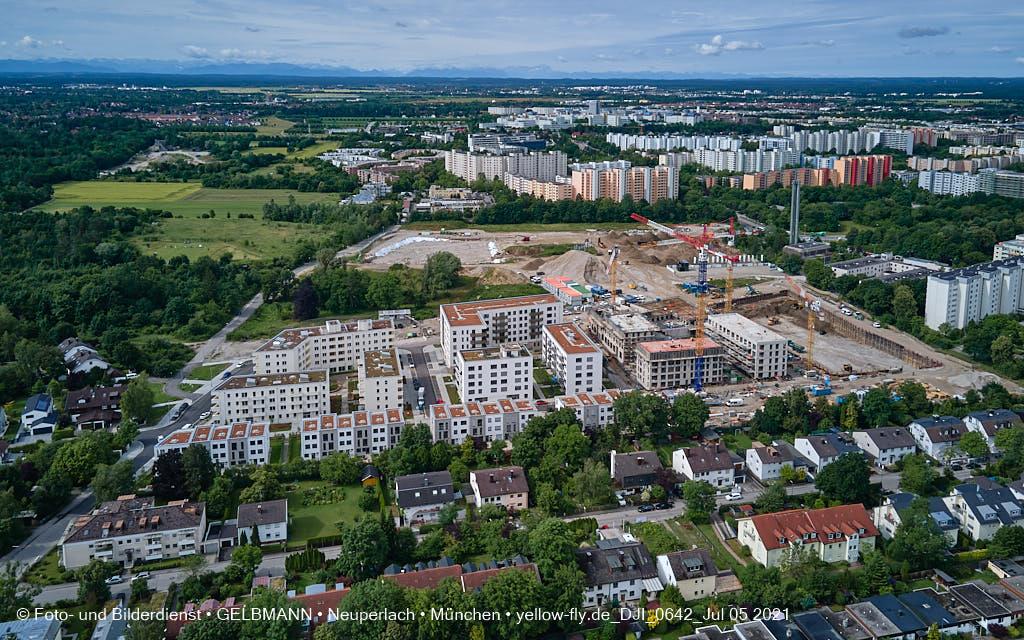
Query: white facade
(229, 445)
(885, 445)
(357, 434)
(489, 421)
(990, 422)
(937, 435)
(268, 519)
(711, 464)
(275, 398)
(759, 352)
(672, 364)
(380, 379)
(967, 295)
(594, 410)
(487, 323)
(572, 358)
(538, 165)
(334, 346)
(982, 512)
(496, 373)
(1009, 248)
(949, 183)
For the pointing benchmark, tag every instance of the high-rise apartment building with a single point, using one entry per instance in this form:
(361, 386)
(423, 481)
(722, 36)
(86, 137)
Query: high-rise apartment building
(572, 358)
(494, 373)
(488, 323)
(962, 296)
(275, 398)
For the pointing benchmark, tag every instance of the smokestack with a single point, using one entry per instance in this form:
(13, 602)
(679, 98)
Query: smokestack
(794, 214)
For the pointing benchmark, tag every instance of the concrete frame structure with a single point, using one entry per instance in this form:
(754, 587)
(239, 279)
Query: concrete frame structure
(671, 364)
(757, 351)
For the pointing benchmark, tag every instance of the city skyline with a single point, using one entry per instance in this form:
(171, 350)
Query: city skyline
(527, 39)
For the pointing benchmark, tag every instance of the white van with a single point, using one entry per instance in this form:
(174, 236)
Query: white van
(734, 402)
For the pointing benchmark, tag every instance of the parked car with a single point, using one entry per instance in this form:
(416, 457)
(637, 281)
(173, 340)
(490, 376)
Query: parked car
(416, 384)
(645, 508)
(876, 324)
(206, 414)
(114, 580)
(142, 575)
(956, 467)
(734, 496)
(661, 506)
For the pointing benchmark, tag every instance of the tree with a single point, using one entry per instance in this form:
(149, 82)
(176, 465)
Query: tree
(14, 594)
(385, 292)
(364, 550)
(550, 500)
(247, 557)
(592, 485)
(514, 591)
(197, 469)
(915, 398)
(846, 479)
(1007, 542)
(127, 431)
(283, 624)
(973, 444)
(265, 486)
(639, 413)
(818, 275)
(217, 498)
(210, 628)
(78, 458)
(773, 498)
(371, 595)
(1002, 350)
(568, 445)
(305, 302)
(565, 592)
(340, 468)
(92, 585)
(440, 273)
(917, 475)
(877, 406)
(904, 306)
(551, 544)
(918, 539)
(168, 478)
(700, 501)
(113, 480)
(139, 591)
(689, 414)
(137, 400)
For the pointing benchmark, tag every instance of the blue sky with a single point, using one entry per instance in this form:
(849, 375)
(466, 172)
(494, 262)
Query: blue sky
(754, 37)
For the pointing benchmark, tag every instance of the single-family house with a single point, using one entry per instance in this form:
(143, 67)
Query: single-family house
(41, 628)
(765, 463)
(990, 422)
(80, 357)
(713, 463)
(503, 486)
(694, 573)
(94, 408)
(822, 449)
(988, 610)
(885, 445)
(937, 436)
(39, 417)
(420, 496)
(617, 571)
(889, 515)
(635, 470)
(885, 616)
(981, 512)
(269, 519)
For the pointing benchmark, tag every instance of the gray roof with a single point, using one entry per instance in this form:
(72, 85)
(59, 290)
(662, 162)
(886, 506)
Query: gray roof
(778, 452)
(831, 445)
(262, 513)
(891, 438)
(975, 269)
(873, 619)
(111, 627)
(713, 457)
(636, 463)
(1003, 594)
(991, 419)
(615, 560)
(501, 481)
(991, 505)
(974, 597)
(421, 489)
(954, 605)
(135, 517)
(845, 624)
(691, 564)
(927, 609)
(38, 402)
(815, 626)
(31, 629)
(936, 508)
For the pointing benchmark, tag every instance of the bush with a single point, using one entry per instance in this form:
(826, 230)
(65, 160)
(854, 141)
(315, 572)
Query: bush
(63, 434)
(324, 541)
(977, 555)
(305, 561)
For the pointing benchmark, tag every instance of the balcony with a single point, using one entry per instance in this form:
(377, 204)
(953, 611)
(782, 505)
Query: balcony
(108, 553)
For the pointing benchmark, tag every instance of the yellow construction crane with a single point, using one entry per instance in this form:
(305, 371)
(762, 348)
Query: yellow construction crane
(611, 269)
(813, 307)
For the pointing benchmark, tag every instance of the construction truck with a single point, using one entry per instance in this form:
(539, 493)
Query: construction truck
(772, 321)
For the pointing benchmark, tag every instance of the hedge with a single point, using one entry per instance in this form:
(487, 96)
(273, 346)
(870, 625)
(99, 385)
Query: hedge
(971, 556)
(304, 561)
(323, 541)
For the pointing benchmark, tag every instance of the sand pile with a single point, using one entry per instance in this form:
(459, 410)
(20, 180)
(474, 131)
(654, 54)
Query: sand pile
(500, 275)
(580, 266)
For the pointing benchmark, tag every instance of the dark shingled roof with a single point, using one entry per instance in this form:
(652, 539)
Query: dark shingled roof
(615, 560)
(258, 513)
(501, 481)
(425, 484)
(134, 517)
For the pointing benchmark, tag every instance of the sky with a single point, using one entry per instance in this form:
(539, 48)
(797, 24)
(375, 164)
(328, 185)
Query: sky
(750, 37)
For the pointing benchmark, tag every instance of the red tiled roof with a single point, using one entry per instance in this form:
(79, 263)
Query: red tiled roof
(845, 520)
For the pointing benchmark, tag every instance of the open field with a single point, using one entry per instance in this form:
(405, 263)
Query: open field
(243, 238)
(833, 351)
(207, 371)
(273, 126)
(268, 151)
(314, 150)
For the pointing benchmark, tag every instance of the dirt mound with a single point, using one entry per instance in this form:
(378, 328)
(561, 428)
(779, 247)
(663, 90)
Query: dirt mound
(499, 275)
(581, 266)
(533, 265)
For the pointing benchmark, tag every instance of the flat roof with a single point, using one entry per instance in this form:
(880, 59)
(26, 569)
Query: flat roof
(272, 379)
(679, 344)
(632, 323)
(381, 363)
(744, 326)
(290, 338)
(468, 313)
(507, 350)
(571, 338)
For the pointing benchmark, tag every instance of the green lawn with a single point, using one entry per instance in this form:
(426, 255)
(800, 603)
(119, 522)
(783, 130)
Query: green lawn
(268, 151)
(294, 449)
(273, 126)
(159, 397)
(320, 520)
(276, 444)
(207, 371)
(453, 393)
(46, 571)
(13, 409)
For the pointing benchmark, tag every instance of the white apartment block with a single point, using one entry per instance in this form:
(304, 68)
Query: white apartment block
(757, 351)
(1009, 248)
(380, 378)
(572, 358)
(487, 421)
(494, 373)
(671, 364)
(948, 183)
(487, 323)
(229, 446)
(130, 530)
(334, 346)
(286, 398)
(537, 165)
(962, 296)
(594, 410)
(357, 434)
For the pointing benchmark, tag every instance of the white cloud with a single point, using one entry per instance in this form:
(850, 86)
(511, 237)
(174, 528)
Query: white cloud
(718, 44)
(30, 42)
(998, 49)
(1020, 60)
(193, 51)
(826, 43)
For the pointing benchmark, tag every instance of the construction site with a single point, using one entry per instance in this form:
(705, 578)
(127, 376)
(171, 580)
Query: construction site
(657, 272)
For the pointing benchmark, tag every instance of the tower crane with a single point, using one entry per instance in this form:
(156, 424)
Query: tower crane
(813, 307)
(611, 269)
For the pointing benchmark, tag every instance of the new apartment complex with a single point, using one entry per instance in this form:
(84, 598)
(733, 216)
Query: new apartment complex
(334, 346)
(620, 334)
(494, 373)
(357, 434)
(275, 398)
(671, 364)
(557, 189)
(572, 358)
(1009, 248)
(593, 410)
(380, 379)
(229, 445)
(130, 530)
(487, 323)
(484, 421)
(966, 295)
(757, 351)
